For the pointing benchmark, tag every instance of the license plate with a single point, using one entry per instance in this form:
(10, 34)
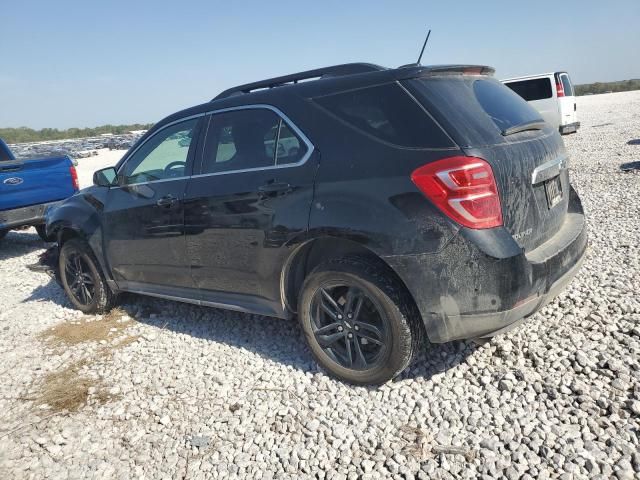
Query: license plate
(553, 189)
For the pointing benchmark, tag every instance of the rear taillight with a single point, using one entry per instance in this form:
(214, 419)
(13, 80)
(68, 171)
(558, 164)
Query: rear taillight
(560, 88)
(74, 178)
(464, 188)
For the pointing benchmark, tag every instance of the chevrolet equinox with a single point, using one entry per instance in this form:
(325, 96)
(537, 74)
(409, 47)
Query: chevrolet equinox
(377, 205)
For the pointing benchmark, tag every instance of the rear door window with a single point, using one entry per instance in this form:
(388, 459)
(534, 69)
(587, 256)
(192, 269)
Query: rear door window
(534, 89)
(566, 85)
(386, 113)
(250, 139)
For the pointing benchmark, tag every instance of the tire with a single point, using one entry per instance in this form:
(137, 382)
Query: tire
(3, 233)
(42, 233)
(76, 252)
(396, 319)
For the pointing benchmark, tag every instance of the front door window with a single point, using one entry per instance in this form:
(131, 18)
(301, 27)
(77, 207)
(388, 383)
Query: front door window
(162, 157)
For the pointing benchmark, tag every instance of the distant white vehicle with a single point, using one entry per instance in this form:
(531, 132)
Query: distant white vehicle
(552, 95)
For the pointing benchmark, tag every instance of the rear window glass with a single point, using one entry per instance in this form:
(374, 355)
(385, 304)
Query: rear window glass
(535, 89)
(566, 85)
(503, 106)
(387, 113)
(472, 109)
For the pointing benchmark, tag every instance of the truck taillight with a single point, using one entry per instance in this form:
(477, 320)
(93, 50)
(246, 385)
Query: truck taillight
(74, 178)
(464, 188)
(560, 88)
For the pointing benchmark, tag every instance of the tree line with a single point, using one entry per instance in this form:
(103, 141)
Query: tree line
(606, 87)
(25, 134)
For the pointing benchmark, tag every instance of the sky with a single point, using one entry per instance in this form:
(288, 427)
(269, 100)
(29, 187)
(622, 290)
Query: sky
(88, 63)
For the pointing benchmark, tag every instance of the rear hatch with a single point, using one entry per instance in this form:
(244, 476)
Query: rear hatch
(32, 182)
(488, 120)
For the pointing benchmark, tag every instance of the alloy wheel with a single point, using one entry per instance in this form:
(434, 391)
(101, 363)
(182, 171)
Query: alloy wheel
(79, 279)
(349, 327)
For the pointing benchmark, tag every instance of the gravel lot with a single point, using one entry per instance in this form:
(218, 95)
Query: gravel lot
(164, 390)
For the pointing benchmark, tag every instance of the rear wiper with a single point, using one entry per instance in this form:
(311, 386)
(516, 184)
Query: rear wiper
(534, 125)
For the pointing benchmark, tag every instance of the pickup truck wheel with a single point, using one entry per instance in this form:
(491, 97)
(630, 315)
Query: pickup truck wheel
(82, 278)
(3, 233)
(360, 323)
(42, 233)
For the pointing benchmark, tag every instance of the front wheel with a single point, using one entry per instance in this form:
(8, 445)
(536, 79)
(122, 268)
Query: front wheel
(82, 278)
(359, 321)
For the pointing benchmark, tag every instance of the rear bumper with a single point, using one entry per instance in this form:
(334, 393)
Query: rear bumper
(24, 216)
(569, 128)
(482, 284)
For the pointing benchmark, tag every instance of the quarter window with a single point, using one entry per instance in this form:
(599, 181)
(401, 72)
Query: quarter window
(163, 156)
(387, 113)
(248, 139)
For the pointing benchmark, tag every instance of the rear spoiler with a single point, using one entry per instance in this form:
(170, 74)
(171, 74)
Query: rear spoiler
(439, 70)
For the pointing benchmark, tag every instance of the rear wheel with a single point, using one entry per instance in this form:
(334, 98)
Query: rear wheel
(42, 233)
(82, 278)
(359, 321)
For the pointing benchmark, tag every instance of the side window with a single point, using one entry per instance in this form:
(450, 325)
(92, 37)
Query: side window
(535, 89)
(388, 113)
(291, 148)
(251, 138)
(163, 156)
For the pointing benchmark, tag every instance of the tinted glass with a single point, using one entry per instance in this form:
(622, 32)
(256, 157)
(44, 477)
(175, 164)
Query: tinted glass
(163, 156)
(387, 113)
(291, 148)
(503, 106)
(535, 89)
(566, 85)
(245, 139)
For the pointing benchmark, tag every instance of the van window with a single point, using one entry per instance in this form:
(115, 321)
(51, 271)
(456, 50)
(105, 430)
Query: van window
(387, 113)
(245, 139)
(534, 89)
(566, 85)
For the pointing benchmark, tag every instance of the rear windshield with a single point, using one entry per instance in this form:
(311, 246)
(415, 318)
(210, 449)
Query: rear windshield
(535, 89)
(5, 153)
(387, 113)
(474, 110)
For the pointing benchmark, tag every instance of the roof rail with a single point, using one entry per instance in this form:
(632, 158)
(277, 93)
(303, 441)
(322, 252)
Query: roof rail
(336, 70)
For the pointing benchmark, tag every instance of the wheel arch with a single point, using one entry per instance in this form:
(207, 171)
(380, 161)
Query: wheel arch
(315, 251)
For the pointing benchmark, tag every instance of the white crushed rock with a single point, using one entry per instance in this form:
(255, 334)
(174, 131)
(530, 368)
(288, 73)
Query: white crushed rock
(204, 393)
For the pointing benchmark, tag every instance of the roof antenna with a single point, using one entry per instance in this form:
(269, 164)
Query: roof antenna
(423, 47)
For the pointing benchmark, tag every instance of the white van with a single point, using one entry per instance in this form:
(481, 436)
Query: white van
(552, 95)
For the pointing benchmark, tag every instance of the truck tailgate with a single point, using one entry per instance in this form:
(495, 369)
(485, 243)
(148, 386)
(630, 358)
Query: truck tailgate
(31, 182)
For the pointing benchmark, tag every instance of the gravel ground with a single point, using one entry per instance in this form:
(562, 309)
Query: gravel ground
(165, 390)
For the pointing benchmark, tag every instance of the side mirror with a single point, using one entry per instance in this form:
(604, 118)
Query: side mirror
(106, 177)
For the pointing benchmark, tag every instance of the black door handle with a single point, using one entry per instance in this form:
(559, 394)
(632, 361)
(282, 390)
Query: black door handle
(274, 187)
(167, 201)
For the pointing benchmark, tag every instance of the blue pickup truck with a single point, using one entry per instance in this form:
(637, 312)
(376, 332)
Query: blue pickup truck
(29, 187)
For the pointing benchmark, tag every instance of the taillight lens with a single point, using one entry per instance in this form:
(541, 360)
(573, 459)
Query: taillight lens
(560, 89)
(74, 178)
(464, 188)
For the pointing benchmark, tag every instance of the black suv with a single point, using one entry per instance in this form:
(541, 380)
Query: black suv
(377, 205)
